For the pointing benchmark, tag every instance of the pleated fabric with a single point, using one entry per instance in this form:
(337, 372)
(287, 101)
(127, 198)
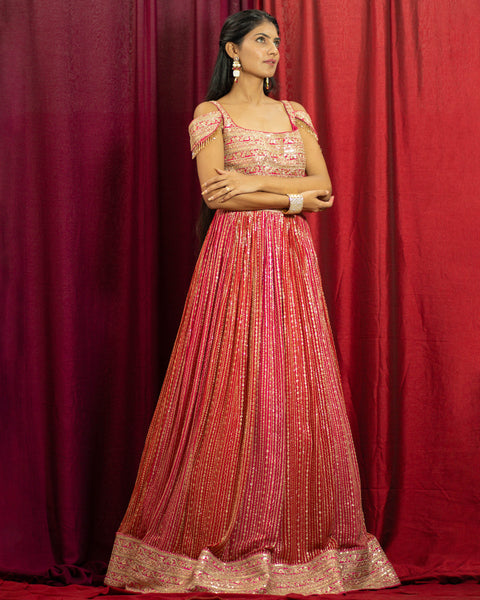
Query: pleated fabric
(249, 481)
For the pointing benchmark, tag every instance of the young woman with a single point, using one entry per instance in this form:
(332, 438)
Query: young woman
(248, 481)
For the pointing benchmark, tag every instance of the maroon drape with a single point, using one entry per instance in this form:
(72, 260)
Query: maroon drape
(79, 290)
(98, 198)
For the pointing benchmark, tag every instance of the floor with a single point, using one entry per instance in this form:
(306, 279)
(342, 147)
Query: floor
(14, 590)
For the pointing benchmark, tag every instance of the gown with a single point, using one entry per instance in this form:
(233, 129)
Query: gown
(249, 482)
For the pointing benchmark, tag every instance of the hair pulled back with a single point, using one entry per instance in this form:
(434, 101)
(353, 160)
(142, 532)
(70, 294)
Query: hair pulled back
(234, 30)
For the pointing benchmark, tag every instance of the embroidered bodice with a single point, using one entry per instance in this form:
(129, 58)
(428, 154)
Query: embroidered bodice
(251, 151)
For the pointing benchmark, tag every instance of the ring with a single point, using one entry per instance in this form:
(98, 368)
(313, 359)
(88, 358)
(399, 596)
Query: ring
(227, 189)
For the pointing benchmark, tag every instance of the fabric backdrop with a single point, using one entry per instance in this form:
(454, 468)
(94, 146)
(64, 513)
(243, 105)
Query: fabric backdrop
(98, 199)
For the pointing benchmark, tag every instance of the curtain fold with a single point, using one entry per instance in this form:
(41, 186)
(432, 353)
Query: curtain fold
(79, 272)
(98, 200)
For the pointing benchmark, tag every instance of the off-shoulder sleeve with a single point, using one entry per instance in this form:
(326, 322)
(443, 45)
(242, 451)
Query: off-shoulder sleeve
(203, 130)
(303, 121)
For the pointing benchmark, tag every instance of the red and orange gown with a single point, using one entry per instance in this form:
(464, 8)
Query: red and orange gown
(249, 481)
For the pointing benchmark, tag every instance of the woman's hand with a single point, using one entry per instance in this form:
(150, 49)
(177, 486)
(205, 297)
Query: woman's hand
(316, 200)
(228, 184)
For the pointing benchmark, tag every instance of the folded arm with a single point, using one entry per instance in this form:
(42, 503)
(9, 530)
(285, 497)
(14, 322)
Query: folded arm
(230, 190)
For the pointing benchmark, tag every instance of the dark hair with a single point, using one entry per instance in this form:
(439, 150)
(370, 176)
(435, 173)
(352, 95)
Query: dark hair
(234, 30)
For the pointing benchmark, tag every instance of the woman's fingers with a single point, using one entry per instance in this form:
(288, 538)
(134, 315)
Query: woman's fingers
(213, 185)
(317, 200)
(224, 193)
(327, 203)
(217, 184)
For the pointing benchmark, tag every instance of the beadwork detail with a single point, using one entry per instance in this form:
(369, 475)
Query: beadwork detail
(296, 204)
(236, 66)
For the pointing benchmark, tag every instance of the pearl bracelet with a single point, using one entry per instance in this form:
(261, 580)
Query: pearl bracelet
(296, 204)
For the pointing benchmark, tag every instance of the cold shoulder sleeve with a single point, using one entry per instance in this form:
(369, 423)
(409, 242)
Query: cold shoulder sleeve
(203, 130)
(303, 121)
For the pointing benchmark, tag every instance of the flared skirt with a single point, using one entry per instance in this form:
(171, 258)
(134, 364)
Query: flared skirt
(249, 481)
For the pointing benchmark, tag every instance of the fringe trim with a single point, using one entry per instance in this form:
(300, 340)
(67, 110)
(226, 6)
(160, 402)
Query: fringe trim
(201, 145)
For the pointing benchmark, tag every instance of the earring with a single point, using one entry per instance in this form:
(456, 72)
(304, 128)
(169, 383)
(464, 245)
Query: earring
(236, 66)
(267, 83)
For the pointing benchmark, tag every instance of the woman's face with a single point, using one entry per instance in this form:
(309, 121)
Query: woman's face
(258, 52)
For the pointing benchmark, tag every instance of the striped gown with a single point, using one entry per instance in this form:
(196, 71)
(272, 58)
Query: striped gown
(248, 481)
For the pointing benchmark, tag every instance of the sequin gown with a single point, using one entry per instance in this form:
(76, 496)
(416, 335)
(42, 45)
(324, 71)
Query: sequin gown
(248, 481)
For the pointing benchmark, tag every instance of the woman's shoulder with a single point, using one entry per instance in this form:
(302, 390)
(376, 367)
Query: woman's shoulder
(204, 108)
(297, 107)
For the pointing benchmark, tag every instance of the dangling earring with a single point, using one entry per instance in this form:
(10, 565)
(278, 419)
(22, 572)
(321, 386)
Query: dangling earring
(267, 83)
(236, 68)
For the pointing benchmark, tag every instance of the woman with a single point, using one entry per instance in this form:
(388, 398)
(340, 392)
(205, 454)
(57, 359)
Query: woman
(248, 482)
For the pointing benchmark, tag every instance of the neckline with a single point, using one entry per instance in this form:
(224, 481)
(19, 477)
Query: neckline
(284, 103)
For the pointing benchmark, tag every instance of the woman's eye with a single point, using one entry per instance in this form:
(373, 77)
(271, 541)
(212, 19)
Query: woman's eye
(260, 39)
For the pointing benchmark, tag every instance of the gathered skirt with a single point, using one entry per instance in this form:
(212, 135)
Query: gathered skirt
(249, 481)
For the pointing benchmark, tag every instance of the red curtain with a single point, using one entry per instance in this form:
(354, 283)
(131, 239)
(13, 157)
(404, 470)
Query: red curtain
(98, 201)
(392, 85)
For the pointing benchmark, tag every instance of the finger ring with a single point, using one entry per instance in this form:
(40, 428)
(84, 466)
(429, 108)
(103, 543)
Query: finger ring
(227, 188)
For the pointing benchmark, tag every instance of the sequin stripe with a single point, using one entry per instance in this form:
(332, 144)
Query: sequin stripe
(297, 463)
(261, 498)
(217, 370)
(326, 478)
(212, 478)
(172, 421)
(140, 568)
(324, 377)
(216, 489)
(203, 130)
(237, 381)
(308, 517)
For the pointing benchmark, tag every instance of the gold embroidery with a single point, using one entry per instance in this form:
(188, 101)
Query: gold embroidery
(303, 120)
(305, 127)
(201, 145)
(203, 130)
(138, 567)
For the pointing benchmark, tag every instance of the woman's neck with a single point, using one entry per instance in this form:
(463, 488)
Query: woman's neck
(247, 90)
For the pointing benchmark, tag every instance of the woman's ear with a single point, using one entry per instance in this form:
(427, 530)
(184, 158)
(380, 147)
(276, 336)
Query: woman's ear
(231, 49)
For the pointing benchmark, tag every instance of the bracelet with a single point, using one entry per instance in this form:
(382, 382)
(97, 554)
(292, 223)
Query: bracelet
(296, 204)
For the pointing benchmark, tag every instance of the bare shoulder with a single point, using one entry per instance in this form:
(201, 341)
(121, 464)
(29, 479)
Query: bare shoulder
(204, 108)
(297, 106)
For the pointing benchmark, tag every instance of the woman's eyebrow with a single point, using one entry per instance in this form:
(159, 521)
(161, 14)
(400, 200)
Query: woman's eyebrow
(268, 36)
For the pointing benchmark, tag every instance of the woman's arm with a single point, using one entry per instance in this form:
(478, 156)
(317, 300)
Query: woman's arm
(211, 158)
(214, 188)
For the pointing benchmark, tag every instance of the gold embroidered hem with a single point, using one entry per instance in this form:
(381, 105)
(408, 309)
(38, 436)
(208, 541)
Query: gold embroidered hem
(138, 567)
